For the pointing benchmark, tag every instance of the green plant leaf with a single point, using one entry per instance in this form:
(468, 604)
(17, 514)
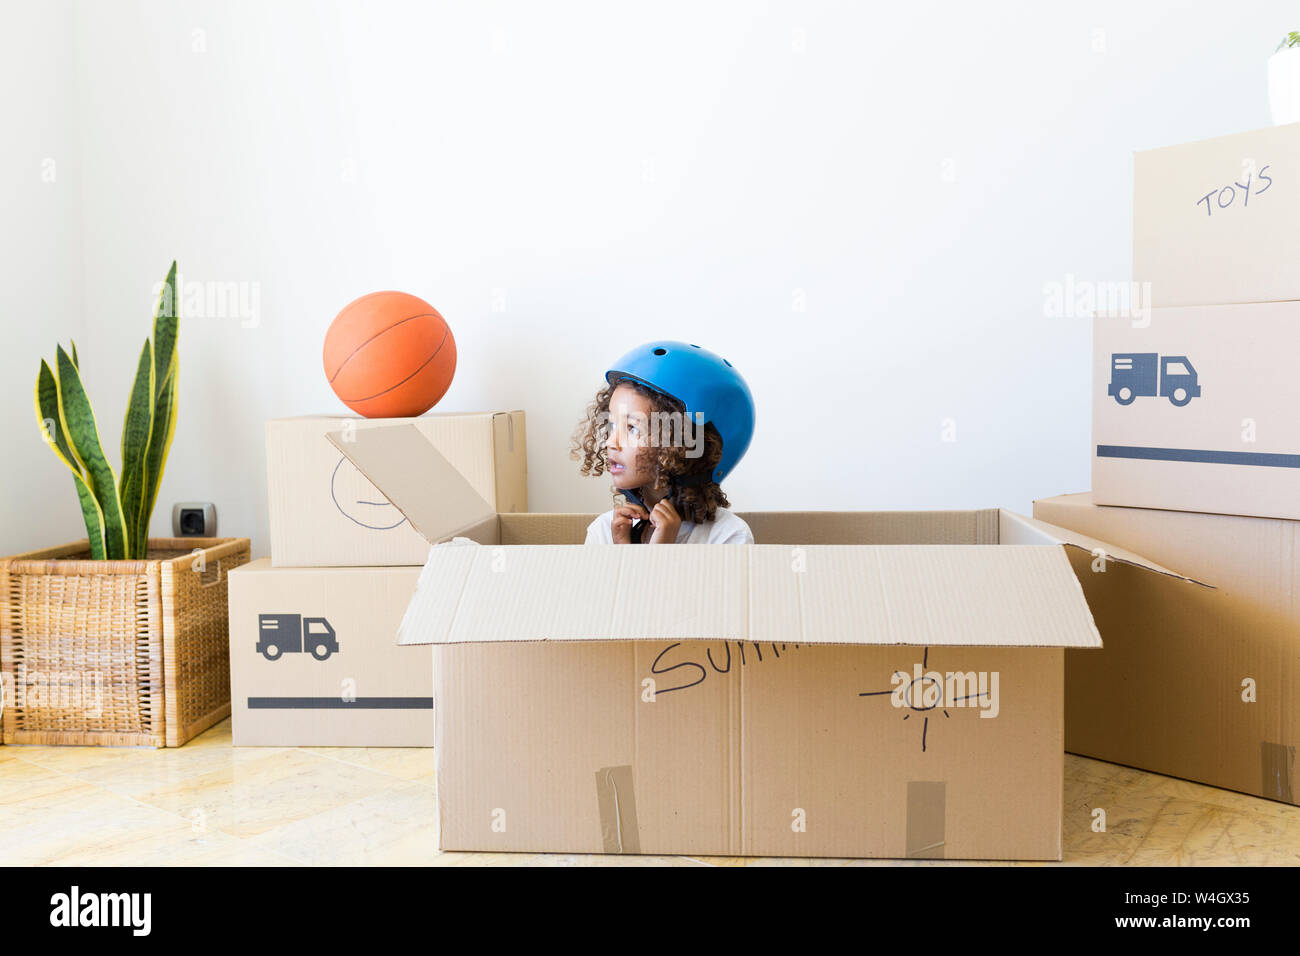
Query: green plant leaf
(165, 328)
(160, 442)
(78, 419)
(93, 516)
(47, 413)
(166, 362)
(74, 354)
(135, 445)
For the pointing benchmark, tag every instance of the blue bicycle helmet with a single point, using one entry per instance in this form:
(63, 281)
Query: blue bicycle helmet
(702, 381)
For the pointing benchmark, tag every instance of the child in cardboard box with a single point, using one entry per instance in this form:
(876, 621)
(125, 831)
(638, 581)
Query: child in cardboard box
(670, 423)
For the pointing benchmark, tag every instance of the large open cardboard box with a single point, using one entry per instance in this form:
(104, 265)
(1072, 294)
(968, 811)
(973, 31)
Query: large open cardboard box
(857, 684)
(1199, 683)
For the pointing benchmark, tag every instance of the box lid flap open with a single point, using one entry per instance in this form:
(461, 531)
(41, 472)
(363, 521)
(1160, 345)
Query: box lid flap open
(977, 595)
(416, 478)
(1018, 529)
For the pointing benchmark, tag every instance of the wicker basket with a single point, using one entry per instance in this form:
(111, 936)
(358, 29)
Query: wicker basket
(116, 653)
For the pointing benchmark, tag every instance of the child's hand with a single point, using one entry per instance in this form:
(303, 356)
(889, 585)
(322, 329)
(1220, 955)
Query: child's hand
(624, 518)
(666, 521)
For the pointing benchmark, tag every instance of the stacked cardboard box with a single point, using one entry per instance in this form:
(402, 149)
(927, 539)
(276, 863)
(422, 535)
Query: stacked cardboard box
(874, 684)
(1196, 464)
(312, 652)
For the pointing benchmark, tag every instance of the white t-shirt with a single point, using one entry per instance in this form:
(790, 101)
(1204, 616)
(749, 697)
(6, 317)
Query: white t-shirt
(725, 528)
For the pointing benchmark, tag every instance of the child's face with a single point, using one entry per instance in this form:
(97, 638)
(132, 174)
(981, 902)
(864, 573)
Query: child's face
(629, 430)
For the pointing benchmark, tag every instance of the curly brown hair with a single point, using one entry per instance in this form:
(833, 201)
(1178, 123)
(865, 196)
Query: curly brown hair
(697, 503)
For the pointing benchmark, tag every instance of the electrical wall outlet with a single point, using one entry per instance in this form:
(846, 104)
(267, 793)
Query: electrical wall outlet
(194, 519)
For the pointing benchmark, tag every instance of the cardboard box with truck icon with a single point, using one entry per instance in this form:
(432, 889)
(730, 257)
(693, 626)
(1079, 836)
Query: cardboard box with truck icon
(313, 660)
(869, 684)
(1195, 409)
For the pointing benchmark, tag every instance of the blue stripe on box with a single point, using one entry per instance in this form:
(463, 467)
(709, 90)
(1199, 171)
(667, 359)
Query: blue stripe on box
(1200, 455)
(338, 703)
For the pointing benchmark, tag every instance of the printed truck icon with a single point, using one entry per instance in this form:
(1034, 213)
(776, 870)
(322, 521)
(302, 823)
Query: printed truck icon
(292, 634)
(1134, 373)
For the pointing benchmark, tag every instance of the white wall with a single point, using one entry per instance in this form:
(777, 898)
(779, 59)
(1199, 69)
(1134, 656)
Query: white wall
(41, 276)
(911, 175)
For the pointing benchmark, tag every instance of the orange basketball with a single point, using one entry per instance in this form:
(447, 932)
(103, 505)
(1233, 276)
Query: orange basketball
(389, 355)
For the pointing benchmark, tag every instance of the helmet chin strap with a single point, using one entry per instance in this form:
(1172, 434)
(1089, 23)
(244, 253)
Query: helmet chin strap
(675, 483)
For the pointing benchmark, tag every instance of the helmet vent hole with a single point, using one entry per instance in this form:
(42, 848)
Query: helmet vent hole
(726, 363)
(694, 346)
(661, 351)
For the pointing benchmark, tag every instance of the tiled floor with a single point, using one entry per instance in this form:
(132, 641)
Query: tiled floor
(210, 803)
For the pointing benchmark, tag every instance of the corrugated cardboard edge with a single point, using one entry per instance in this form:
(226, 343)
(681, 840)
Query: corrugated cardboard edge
(1017, 528)
(509, 446)
(439, 744)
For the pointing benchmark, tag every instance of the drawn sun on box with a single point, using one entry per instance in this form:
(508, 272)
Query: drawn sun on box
(922, 694)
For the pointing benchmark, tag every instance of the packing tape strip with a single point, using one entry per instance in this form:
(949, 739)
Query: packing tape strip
(614, 793)
(1278, 763)
(926, 810)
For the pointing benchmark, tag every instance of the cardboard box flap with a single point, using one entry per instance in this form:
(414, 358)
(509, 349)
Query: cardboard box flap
(473, 594)
(1018, 529)
(980, 595)
(416, 478)
(974, 595)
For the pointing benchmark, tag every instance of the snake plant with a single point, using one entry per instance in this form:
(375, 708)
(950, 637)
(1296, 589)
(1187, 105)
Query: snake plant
(116, 507)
